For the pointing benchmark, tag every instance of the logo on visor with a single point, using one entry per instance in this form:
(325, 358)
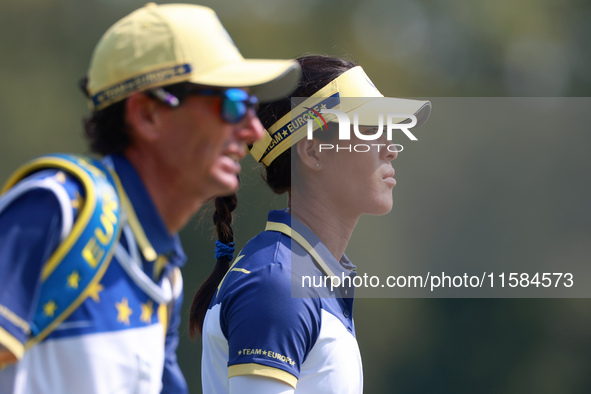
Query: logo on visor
(318, 115)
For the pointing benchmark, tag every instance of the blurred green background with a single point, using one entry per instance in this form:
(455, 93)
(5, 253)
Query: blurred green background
(452, 190)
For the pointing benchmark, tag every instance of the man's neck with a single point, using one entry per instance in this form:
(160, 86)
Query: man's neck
(175, 207)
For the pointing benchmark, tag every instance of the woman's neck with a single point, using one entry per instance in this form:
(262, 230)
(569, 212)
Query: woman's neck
(333, 229)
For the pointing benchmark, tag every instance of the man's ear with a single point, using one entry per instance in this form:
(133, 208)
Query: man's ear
(308, 151)
(139, 116)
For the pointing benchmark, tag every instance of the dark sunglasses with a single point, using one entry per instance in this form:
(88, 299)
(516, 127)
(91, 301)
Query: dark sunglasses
(235, 102)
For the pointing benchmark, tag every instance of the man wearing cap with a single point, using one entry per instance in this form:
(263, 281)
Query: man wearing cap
(90, 286)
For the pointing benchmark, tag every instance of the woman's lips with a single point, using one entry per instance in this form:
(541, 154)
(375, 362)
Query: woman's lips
(390, 181)
(230, 164)
(389, 177)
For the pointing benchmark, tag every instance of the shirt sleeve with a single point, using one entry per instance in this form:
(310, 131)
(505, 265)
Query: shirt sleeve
(29, 232)
(35, 216)
(269, 333)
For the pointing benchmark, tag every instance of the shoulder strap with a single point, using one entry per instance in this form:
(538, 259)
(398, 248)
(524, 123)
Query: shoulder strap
(176, 282)
(80, 261)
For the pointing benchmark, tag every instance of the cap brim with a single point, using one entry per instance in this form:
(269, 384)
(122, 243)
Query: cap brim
(369, 108)
(268, 79)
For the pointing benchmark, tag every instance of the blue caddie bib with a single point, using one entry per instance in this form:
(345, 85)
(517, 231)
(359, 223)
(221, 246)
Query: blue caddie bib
(87, 250)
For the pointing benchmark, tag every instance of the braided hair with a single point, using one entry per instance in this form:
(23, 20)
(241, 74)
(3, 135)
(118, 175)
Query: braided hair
(222, 218)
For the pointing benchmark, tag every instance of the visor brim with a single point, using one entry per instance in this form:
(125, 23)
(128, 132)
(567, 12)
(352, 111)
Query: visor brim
(369, 109)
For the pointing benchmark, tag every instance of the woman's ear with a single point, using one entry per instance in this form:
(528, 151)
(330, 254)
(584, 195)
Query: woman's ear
(140, 113)
(309, 153)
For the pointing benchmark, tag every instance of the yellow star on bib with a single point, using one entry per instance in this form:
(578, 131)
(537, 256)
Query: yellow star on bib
(60, 177)
(94, 290)
(49, 308)
(77, 201)
(147, 312)
(73, 280)
(123, 311)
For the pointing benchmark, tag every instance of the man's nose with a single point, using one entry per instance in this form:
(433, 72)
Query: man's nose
(251, 129)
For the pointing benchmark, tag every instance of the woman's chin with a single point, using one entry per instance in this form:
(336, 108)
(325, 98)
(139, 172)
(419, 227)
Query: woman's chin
(382, 207)
(227, 184)
(225, 176)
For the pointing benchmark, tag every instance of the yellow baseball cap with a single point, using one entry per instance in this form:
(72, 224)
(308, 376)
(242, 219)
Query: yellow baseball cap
(159, 45)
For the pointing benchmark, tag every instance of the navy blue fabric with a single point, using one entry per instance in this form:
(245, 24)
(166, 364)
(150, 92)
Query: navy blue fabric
(29, 232)
(259, 314)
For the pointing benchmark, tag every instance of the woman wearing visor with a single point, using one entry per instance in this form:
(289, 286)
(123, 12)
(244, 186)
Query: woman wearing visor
(263, 330)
